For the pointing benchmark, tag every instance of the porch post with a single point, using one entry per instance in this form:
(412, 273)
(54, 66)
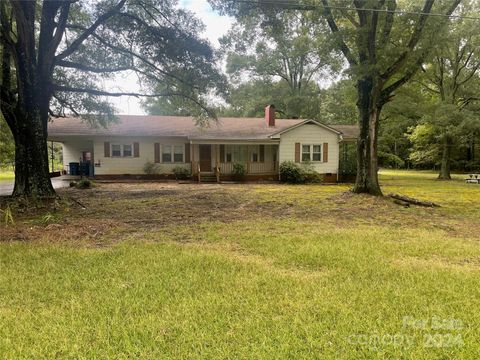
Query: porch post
(192, 158)
(248, 159)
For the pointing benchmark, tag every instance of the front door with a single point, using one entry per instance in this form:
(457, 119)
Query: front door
(205, 158)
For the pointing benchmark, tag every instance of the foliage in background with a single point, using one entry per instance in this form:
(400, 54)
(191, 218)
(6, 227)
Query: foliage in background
(7, 145)
(452, 78)
(282, 57)
(337, 103)
(348, 159)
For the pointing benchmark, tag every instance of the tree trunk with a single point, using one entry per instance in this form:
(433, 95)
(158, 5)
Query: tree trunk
(446, 159)
(32, 176)
(28, 118)
(367, 160)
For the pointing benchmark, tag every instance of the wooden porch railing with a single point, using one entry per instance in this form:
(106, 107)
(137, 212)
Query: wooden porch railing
(252, 168)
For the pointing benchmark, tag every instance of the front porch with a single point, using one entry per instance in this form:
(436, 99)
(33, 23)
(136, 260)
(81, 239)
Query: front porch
(220, 161)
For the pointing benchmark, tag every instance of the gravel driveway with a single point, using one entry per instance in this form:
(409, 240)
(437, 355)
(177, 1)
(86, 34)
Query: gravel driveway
(6, 187)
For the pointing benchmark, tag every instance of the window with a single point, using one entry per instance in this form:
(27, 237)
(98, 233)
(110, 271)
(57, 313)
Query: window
(116, 150)
(119, 150)
(178, 153)
(317, 153)
(311, 152)
(255, 154)
(173, 153)
(127, 150)
(306, 153)
(166, 153)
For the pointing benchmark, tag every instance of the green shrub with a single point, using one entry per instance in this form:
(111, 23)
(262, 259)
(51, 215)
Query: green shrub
(84, 184)
(309, 174)
(291, 173)
(239, 171)
(151, 168)
(181, 173)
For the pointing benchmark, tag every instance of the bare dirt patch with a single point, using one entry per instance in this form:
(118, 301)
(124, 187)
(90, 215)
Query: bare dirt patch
(110, 212)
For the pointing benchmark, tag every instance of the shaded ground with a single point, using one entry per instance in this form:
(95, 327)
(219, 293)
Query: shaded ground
(121, 209)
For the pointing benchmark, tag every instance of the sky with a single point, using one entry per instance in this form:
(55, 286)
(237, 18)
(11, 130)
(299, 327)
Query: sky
(216, 27)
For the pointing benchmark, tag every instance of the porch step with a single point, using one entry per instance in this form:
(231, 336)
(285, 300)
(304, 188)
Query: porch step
(208, 178)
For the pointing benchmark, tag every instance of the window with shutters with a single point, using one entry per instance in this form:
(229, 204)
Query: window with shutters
(306, 153)
(311, 152)
(173, 153)
(127, 150)
(317, 153)
(166, 153)
(116, 150)
(178, 153)
(121, 150)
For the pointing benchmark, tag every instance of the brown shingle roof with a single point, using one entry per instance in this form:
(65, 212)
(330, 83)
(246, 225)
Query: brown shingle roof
(348, 131)
(177, 126)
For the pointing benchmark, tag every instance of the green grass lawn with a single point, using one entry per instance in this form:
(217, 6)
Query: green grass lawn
(6, 175)
(245, 271)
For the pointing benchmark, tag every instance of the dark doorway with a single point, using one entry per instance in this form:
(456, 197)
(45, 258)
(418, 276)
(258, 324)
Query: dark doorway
(205, 158)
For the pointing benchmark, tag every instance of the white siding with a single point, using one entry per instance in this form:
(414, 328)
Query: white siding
(132, 165)
(311, 134)
(73, 149)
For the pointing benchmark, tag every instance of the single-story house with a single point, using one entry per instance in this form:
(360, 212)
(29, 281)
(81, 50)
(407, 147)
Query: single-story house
(260, 144)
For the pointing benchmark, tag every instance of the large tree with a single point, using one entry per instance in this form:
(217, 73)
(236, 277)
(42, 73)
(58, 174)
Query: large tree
(384, 47)
(54, 53)
(287, 51)
(452, 78)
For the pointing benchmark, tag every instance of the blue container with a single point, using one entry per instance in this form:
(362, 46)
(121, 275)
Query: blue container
(74, 168)
(85, 168)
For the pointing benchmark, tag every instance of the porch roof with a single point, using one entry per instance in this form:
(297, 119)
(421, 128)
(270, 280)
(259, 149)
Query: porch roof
(240, 129)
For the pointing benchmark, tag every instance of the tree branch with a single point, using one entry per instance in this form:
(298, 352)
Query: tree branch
(386, 93)
(64, 103)
(62, 23)
(426, 87)
(96, 92)
(89, 31)
(352, 20)
(471, 74)
(88, 68)
(415, 38)
(387, 27)
(327, 12)
(139, 57)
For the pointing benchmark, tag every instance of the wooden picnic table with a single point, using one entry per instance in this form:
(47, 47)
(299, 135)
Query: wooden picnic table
(473, 179)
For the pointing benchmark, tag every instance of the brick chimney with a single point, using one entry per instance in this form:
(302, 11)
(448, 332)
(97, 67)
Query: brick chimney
(270, 115)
